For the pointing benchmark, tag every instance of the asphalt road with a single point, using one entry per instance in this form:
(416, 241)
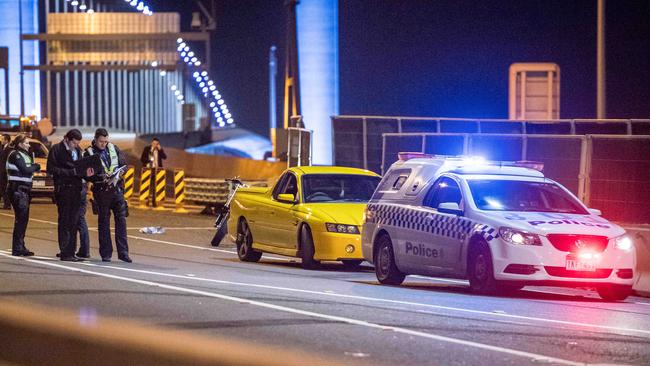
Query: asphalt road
(178, 280)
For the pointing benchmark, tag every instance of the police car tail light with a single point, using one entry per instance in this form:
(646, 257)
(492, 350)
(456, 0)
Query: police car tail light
(519, 237)
(623, 243)
(342, 228)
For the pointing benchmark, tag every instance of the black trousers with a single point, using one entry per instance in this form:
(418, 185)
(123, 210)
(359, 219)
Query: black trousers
(68, 201)
(4, 191)
(111, 200)
(84, 242)
(19, 196)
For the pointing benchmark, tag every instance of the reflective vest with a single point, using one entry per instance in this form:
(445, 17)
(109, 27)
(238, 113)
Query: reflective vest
(13, 174)
(112, 153)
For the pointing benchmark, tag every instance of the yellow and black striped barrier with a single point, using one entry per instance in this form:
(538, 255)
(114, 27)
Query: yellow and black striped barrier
(159, 193)
(129, 183)
(179, 191)
(145, 187)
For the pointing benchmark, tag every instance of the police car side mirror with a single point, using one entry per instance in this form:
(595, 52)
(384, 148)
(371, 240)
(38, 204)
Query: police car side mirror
(287, 198)
(450, 208)
(595, 211)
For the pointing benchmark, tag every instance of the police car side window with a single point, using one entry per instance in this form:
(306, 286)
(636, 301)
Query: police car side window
(395, 180)
(444, 190)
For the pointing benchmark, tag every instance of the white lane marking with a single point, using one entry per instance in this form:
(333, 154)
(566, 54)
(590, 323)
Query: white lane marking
(372, 299)
(563, 322)
(334, 318)
(138, 237)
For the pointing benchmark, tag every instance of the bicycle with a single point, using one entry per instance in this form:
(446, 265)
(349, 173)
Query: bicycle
(223, 213)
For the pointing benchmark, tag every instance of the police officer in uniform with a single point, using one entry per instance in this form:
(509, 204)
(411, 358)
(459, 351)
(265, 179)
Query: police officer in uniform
(109, 197)
(67, 190)
(20, 170)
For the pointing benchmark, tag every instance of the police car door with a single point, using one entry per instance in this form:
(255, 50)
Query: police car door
(439, 244)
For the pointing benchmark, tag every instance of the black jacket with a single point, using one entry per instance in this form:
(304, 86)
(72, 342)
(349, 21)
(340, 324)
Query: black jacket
(21, 170)
(61, 166)
(4, 154)
(98, 178)
(144, 159)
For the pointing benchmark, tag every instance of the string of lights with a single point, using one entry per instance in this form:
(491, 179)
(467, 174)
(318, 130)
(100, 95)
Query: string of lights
(219, 107)
(138, 5)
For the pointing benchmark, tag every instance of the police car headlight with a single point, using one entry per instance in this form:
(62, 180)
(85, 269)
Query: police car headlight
(623, 243)
(342, 228)
(519, 237)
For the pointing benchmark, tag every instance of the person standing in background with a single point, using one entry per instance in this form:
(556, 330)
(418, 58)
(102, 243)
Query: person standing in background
(153, 155)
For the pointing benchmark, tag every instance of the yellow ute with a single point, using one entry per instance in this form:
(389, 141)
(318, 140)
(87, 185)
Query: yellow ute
(312, 212)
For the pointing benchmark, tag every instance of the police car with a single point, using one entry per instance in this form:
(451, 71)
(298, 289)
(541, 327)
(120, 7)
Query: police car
(502, 225)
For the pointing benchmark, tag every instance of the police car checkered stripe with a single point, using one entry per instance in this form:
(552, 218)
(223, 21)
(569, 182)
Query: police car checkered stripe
(427, 221)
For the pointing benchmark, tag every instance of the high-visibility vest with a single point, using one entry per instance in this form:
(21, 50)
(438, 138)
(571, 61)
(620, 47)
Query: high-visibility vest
(112, 153)
(13, 174)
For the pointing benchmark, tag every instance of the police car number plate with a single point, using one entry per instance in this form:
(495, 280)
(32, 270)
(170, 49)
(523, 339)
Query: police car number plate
(38, 183)
(575, 264)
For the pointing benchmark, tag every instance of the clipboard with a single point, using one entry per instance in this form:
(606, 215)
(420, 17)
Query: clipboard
(92, 161)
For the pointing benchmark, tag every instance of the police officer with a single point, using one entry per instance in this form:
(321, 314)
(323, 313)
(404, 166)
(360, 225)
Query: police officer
(109, 197)
(61, 163)
(20, 170)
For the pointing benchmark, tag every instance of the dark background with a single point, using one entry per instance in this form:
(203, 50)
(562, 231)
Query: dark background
(439, 58)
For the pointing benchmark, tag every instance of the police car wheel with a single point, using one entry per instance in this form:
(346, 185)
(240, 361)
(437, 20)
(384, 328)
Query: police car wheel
(614, 292)
(245, 250)
(307, 249)
(385, 267)
(480, 270)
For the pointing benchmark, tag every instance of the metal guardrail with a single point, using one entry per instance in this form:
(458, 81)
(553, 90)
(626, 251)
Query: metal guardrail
(610, 172)
(211, 192)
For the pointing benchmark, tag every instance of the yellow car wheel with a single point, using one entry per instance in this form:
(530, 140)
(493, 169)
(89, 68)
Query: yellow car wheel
(307, 249)
(245, 250)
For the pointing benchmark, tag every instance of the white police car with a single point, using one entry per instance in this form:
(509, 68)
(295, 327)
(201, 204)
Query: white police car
(502, 225)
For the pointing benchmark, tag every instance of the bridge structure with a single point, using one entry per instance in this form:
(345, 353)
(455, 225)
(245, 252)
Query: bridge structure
(122, 66)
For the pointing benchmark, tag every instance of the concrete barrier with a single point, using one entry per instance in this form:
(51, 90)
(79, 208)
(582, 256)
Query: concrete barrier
(641, 238)
(211, 166)
(34, 335)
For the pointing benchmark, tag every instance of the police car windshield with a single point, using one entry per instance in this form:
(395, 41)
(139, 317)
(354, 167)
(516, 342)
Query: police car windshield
(510, 195)
(338, 187)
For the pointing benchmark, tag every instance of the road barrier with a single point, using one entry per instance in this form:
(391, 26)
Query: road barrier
(34, 335)
(159, 192)
(179, 191)
(129, 182)
(212, 192)
(145, 187)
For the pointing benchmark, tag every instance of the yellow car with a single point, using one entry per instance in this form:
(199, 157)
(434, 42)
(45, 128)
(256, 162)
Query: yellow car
(312, 212)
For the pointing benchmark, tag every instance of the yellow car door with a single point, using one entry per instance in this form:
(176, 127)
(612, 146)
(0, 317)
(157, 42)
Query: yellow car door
(284, 223)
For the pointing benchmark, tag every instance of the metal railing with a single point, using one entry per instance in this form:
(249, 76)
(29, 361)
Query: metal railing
(610, 171)
(211, 192)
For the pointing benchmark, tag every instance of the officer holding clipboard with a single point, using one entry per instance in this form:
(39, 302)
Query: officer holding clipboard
(108, 192)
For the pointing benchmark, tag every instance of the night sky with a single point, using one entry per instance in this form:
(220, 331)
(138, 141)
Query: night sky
(440, 58)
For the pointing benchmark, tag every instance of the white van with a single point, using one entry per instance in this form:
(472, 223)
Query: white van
(502, 225)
